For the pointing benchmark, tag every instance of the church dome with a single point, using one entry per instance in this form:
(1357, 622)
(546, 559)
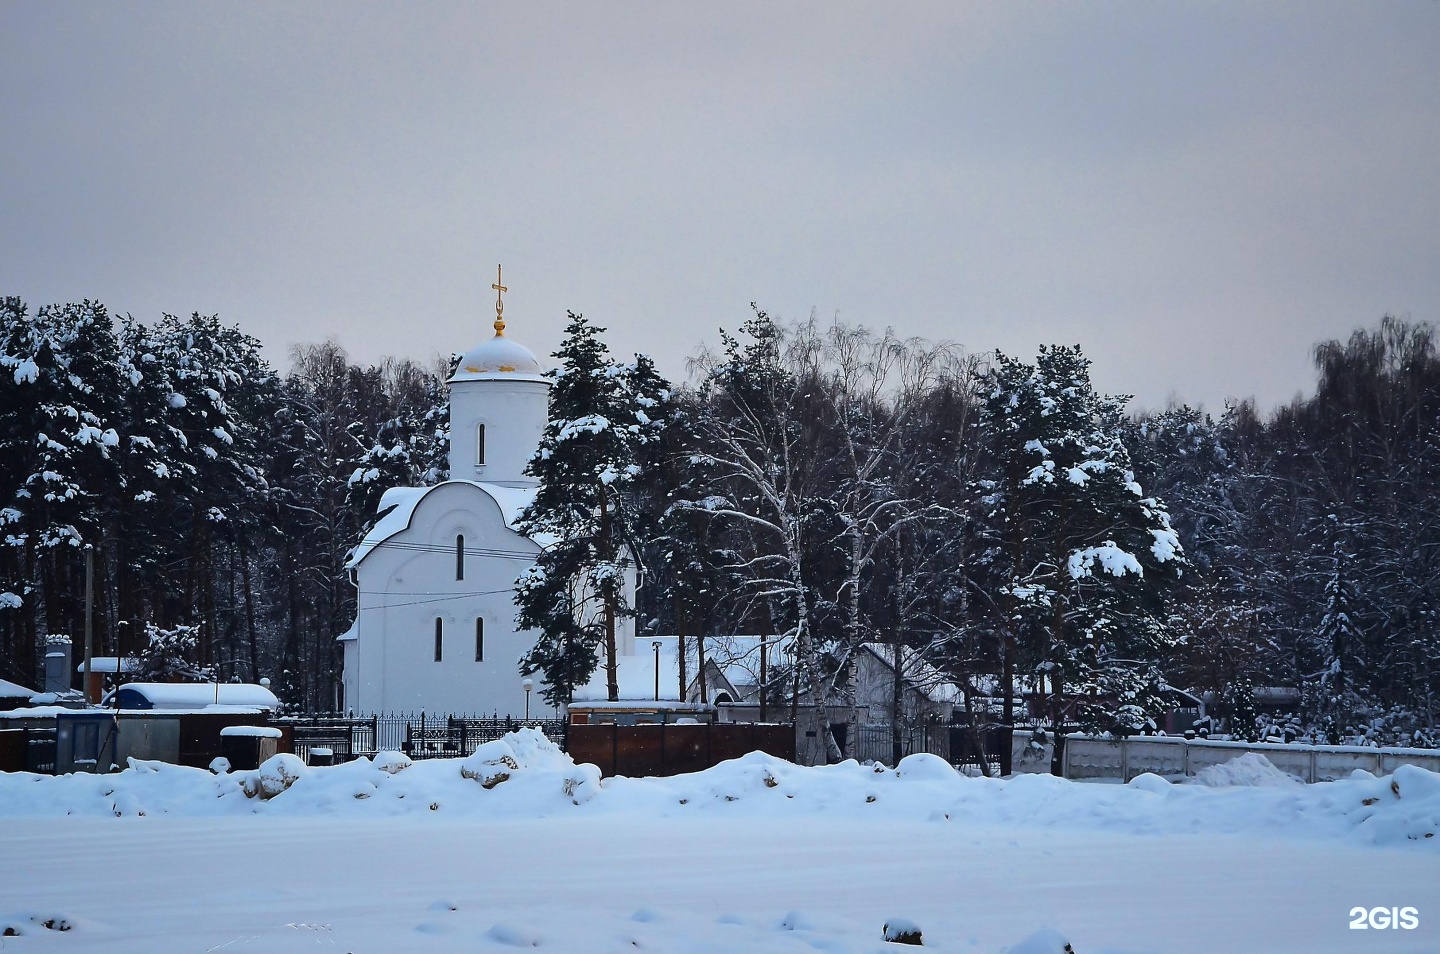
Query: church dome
(498, 357)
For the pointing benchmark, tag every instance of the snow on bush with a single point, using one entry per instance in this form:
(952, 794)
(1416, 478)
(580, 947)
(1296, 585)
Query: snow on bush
(275, 775)
(491, 763)
(903, 931)
(392, 763)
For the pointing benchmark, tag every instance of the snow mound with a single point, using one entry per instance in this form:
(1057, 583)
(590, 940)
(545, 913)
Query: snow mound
(1252, 768)
(1149, 782)
(275, 775)
(391, 763)
(490, 764)
(903, 931)
(524, 776)
(1043, 941)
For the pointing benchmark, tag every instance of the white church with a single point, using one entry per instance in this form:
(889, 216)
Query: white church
(435, 624)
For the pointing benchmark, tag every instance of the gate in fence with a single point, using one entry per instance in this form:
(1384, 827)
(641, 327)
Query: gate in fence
(960, 745)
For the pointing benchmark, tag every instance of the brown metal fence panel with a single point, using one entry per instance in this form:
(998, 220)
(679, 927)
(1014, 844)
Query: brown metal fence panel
(594, 744)
(686, 748)
(776, 740)
(737, 739)
(640, 750)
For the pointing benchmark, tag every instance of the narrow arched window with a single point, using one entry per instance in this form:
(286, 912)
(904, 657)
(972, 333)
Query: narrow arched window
(438, 629)
(479, 444)
(479, 639)
(460, 556)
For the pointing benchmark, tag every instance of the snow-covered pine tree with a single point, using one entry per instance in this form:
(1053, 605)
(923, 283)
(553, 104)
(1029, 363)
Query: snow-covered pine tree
(1238, 697)
(1337, 691)
(195, 479)
(170, 655)
(61, 390)
(601, 416)
(386, 463)
(430, 448)
(1085, 553)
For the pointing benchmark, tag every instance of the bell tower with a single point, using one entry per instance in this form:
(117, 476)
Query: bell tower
(499, 405)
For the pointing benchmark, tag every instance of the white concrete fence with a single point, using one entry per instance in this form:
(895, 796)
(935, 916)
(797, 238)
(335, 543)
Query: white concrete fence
(1087, 757)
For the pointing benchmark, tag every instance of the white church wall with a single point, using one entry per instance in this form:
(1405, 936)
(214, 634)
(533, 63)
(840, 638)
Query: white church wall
(410, 582)
(514, 412)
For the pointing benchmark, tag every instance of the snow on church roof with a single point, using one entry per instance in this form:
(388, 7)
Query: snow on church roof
(402, 501)
(499, 357)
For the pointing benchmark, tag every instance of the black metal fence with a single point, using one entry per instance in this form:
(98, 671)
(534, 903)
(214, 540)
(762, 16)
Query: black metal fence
(419, 736)
(876, 742)
(957, 744)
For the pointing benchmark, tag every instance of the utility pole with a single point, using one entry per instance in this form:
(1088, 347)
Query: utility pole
(89, 618)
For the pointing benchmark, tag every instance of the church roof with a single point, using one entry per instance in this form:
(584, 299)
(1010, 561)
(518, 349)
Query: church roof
(402, 501)
(498, 358)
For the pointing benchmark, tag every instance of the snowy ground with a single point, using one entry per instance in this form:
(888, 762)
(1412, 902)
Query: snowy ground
(753, 856)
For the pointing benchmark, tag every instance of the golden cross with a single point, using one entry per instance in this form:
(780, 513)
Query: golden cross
(499, 304)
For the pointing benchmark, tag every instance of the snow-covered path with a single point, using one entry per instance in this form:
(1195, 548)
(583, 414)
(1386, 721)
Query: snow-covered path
(705, 884)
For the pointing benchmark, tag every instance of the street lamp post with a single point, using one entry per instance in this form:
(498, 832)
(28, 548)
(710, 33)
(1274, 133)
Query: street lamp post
(527, 684)
(656, 646)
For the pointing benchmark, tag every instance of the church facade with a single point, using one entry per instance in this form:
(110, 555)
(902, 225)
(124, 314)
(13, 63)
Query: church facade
(435, 622)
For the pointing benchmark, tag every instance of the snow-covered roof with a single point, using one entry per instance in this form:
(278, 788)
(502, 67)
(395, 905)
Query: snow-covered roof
(46, 712)
(111, 664)
(402, 501)
(194, 695)
(736, 657)
(252, 731)
(668, 705)
(917, 673)
(13, 690)
(635, 676)
(498, 358)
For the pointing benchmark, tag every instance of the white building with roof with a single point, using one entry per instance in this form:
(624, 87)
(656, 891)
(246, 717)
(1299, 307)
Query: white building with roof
(435, 624)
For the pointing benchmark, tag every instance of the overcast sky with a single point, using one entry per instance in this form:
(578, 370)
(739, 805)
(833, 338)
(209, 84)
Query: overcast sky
(1195, 193)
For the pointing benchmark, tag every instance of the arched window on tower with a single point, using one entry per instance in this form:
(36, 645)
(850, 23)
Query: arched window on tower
(438, 626)
(479, 444)
(460, 556)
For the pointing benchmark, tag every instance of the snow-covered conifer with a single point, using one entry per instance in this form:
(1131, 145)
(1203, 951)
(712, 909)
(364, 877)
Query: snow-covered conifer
(602, 415)
(1085, 552)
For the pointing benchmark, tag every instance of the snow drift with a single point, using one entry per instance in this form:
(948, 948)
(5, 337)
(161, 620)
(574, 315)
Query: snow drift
(526, 776)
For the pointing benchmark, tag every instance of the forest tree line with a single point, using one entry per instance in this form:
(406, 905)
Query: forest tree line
(991, 515)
